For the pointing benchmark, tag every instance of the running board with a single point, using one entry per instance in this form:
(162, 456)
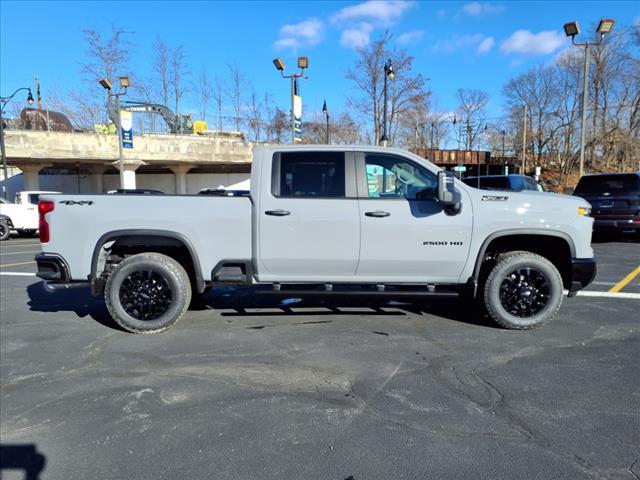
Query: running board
(357, 293)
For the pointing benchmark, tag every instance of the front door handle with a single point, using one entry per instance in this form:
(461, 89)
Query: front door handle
(278, 213)
(377, 213)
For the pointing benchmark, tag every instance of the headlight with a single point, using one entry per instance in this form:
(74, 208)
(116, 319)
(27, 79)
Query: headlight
(584, 211)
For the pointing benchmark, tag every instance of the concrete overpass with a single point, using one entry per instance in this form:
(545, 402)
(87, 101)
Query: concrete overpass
(32, 151)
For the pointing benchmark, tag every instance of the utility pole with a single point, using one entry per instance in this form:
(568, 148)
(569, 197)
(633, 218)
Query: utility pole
(524, 140)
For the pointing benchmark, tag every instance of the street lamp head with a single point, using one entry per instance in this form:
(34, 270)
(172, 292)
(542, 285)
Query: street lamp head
(303, 62)
(106, 84)
(124, 82)
(30, 98)
(324, 108)
(455, 120)
(572, 29)
(605, 26)
(388, 70)
(279, 63)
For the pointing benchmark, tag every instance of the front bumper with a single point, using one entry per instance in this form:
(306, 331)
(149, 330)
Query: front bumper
(52, 268)
(583, 271)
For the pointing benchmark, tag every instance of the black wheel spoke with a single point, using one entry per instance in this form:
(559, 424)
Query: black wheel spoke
(145, 295)
(525, 292)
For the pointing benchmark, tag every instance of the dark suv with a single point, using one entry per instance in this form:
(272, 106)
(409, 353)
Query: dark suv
(513, 183)
(614, 199)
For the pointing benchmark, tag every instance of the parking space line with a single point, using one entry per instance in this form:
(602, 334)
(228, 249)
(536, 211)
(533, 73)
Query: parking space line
(19, 245)
(18, 253)
(626, 280)
(17, 274)
(609, 294)
(16, 264)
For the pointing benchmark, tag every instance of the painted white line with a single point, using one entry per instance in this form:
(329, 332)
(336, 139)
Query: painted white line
(18, 253)
(18, 274)
(633, 296)
(19, 245)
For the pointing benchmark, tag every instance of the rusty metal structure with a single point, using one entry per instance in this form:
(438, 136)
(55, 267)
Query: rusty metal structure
(46, 120)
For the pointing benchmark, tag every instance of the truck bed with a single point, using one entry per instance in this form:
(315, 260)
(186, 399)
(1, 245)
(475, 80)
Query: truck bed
(216, 227)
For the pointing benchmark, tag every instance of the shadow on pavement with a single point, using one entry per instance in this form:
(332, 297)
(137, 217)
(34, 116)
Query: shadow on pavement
(77, 300)
(22, 457)
(239, 300)
(236, 301)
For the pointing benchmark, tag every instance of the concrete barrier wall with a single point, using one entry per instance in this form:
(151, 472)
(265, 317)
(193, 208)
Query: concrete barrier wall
(156, 181)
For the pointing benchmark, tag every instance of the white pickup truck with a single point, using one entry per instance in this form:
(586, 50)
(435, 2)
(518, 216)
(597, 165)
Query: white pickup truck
(323, 220)
(21, 216)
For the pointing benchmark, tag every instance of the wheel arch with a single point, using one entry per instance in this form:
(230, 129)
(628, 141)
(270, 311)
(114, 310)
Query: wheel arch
(556, 246)
(157, 240)
(7, 218)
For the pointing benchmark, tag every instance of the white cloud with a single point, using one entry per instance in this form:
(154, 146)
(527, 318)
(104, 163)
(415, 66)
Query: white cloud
(542, 43)
(356, 37)
(486, 45)
(460, 42)
(304, 34)
(379, 12)
(478, 9)
(407, 38)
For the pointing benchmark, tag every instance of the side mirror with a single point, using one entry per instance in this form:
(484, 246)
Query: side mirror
(447, 193)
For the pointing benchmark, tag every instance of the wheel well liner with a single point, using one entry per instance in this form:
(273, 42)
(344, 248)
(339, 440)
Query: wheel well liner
(139, 236)
(7, 218)
(557, 247)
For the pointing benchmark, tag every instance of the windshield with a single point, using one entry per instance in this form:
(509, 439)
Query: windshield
(599, 184)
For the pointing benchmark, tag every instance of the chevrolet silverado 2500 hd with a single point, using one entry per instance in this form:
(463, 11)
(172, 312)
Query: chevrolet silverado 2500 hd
(317, 219)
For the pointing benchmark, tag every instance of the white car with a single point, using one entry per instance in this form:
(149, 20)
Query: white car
(21, 216)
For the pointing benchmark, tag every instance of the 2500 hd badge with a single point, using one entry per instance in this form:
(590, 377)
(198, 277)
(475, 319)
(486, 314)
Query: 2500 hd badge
(441, 243)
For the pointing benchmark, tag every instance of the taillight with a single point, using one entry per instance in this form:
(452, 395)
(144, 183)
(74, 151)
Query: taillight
(44, 207)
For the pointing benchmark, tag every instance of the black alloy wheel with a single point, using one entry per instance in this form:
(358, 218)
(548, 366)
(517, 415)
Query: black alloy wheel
(525, 292)
(145, 295)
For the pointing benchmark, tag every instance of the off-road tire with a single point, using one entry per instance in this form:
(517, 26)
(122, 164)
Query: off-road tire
(508, 263)
(5, 231)
(169, 270)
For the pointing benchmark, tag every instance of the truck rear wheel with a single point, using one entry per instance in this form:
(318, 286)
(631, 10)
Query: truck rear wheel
(147, 293)
(523, 291)
(5, 231)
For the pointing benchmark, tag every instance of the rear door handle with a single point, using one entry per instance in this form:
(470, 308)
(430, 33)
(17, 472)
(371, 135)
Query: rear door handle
(278, 213)
(377, 213)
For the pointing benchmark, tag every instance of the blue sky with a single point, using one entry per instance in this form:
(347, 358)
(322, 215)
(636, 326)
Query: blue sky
(455, 44)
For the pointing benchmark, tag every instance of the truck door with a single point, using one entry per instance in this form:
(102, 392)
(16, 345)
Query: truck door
(406, 235)
(308, 218)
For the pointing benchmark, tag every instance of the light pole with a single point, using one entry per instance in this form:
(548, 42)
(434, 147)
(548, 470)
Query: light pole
(504, 171)
(303, 62)
(389, 74)
(124, 84)
(3, 103)
(325, 110)
(572, 29)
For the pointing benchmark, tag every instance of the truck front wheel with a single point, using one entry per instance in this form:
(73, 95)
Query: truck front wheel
(147, 293)
(523, 291)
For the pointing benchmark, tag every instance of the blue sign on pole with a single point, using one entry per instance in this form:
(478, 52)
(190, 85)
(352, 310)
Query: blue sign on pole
(126, 122)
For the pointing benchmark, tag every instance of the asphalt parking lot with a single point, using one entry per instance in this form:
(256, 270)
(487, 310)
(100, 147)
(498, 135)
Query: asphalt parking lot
(271, 390)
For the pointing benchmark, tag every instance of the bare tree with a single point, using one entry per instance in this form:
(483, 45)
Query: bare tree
(218, 98)
(278, 125)
(405, 90)
(160, 66)
(178, 74)
(204, 92)
(255, 116)
(472, 110)
(234, 92)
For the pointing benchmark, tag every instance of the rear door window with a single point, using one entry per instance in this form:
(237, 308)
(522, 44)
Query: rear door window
(310, 175)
